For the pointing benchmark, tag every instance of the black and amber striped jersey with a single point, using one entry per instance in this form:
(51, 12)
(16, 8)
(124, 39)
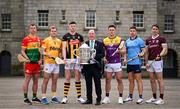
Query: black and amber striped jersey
(72, 42)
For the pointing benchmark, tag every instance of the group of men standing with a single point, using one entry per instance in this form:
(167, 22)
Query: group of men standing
(110, 51)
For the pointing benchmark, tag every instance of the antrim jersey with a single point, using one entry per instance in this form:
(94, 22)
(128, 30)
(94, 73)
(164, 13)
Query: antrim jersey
(110, 47)
(155, 46)
(32, 45)
(134, 47)
(52, 47)
(72, 42)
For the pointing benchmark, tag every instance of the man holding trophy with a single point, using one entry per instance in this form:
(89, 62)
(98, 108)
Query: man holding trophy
(93, 68)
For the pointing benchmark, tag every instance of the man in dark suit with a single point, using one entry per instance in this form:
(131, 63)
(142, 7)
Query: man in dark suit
(93, 70)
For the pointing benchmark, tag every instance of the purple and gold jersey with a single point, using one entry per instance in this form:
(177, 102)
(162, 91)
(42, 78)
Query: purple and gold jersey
(110, 47)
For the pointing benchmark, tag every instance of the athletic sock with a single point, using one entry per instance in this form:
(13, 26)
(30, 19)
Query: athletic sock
(78, 88)
(66, 89)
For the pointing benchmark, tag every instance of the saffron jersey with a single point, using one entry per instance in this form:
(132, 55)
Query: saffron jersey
(110, 47)
(51, 46)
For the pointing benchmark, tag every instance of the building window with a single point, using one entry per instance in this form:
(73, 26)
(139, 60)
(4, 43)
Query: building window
(169, 23)
(43, 18)
(90, 19)
(117, 15)
(63, 14)
(6, 22)
(138, 19)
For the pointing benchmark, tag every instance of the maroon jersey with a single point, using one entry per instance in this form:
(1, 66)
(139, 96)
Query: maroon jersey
(154, 46)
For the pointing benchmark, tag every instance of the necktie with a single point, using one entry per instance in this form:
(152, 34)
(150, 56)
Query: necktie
(91, 44)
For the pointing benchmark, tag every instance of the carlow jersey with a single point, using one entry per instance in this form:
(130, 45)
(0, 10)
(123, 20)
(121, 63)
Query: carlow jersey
(133, 47)
(72, 42)
(110, 47)
(155, 46)
(32, 45)
(52, 47)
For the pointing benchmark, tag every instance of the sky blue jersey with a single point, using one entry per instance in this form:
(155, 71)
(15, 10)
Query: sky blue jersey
(133, 47)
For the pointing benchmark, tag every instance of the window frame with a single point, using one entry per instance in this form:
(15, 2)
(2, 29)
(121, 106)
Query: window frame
(86, 19)
(138, 22)
(43, 18)
(6, 22)
(168, 25)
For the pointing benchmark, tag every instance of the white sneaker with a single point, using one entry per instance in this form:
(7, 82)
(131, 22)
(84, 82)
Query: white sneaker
(64, 100)
(80, 100)
(128, 99)
(106, 100)
(159, 101)
(151, 100)
(120, 100)
(139, 101)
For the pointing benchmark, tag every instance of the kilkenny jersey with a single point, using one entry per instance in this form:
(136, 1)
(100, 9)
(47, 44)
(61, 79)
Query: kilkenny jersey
(52, 47)
(72, 42)
(32, 45)
(110, 47)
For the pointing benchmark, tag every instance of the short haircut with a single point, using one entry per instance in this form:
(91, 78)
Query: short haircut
(111, 26)
(91, 31)
(133, 27)
(73, 22)
(155, 25)
(33, 25)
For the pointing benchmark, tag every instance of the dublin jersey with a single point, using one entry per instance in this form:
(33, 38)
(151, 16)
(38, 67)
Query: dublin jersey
(72, 42)
(133, 47)
(52, 47)
(110, 47)
(32, 45)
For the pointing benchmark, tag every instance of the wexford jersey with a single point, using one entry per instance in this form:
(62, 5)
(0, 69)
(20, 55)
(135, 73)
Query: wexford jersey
(72, 42)
(32, 45)
(52, 47)
(134, 47)
(110, 47)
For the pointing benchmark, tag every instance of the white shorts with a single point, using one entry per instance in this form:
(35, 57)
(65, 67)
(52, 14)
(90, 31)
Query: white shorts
(51, 68)
(72, 64)
(116, 67)
(155, 66)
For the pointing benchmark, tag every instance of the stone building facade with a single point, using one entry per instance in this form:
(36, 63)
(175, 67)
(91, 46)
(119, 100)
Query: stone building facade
(89, 14)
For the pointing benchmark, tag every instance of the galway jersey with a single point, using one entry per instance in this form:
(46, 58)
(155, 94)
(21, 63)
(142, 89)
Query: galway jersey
(155, 46)
(32, 45)
(72, 42)
(52, 47)
(133, 47)
(111, 45)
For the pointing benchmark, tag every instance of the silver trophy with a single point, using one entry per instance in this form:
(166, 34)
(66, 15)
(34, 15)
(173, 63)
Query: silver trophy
(85, 53)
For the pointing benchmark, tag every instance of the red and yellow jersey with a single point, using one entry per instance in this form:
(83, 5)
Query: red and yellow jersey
(111, 44)
(32, 45)
(51, 47)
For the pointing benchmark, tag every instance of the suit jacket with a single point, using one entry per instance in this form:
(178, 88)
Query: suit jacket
(100, 53)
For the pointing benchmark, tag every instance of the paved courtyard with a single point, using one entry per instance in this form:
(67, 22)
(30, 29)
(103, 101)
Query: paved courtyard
(11, 95)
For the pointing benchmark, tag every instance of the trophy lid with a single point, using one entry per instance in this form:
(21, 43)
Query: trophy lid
(84, 45)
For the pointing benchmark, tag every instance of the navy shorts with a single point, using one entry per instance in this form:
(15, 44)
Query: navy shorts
(134, 68)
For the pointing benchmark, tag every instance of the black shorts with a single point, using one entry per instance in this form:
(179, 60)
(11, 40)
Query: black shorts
(134, 68)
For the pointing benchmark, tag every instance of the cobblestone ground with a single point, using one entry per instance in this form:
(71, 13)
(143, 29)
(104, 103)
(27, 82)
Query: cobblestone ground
(11, 95)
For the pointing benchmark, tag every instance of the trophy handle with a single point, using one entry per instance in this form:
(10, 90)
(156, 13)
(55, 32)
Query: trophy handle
(76, 52)
(93, 52)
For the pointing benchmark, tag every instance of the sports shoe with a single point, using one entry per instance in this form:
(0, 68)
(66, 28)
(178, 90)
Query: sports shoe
(151, 100)
(81, 100)
(120, 100)
(159, 101)
(36, 100)
(64, 100)
(106, 100)
(44, 101)
(128, 99)
(139, 101)
(27, 101)
(55, 100)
